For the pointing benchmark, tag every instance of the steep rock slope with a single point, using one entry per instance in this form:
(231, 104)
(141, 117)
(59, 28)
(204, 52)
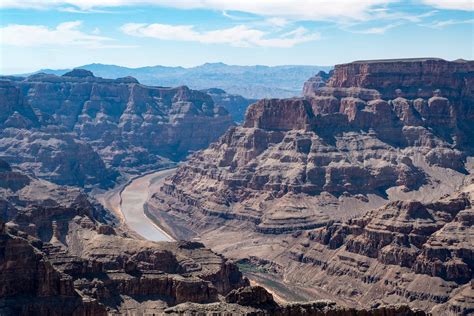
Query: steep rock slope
(78, 129)
(60, 255)
(406, 250)
(401, 132)
(292, 158)
(235, 104)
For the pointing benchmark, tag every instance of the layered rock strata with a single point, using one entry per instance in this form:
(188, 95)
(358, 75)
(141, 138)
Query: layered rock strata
(256, 300)
(59, 255)
(421, 252)
(375, 133)
(235, 104)
(119, 125)
(291, 157)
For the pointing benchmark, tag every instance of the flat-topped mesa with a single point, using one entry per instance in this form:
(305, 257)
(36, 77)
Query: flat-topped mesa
(274, 114)
(396, 97)
(409, 78)
(80, 73)
(73, 76)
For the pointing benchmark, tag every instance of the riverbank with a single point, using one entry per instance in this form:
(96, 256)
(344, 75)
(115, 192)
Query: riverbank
(127, 202)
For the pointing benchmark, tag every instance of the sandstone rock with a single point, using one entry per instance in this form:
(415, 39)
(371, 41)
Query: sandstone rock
(236, 105)
(79, 73)
(411, 234)
(251, 296)
(317, 308)
(60, 255)
(119, 125)
(276, 115)
(298, 176)
(315, 82)
(414, 77)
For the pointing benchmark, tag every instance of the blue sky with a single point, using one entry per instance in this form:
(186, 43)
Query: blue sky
(38, 34)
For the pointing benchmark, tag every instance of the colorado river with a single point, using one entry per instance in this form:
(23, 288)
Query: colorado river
(132, 200)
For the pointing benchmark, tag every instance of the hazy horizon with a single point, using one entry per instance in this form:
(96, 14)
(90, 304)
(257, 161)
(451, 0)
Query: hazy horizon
(69, 33)
(170, 66)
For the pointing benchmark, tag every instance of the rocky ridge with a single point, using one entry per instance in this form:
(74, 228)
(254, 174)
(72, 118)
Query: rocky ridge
(79, 129)
(293, 156)
(253, 82)
(61, 255)
(425, 250)
(235, 104)
(375, 132)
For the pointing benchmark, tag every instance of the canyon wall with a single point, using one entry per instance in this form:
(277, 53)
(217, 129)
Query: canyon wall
(375, 133)
(62, 254)
(82, 130)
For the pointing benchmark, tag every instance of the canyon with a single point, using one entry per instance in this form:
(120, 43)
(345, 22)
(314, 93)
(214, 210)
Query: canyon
(82, 130)
(354, 199)
(359, 191)
(61, 253)
(252, 82)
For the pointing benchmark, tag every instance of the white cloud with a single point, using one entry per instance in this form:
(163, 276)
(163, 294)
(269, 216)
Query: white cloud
(464, 5)
(385, 14)
(66, 33)
(289, 9)
(300, 10)
(236, 17)
(377, 30)
(446, 23)
(239, 36)
(279, 22)
(81, 11)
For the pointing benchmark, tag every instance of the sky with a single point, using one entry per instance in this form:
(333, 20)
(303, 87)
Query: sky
(59, 34)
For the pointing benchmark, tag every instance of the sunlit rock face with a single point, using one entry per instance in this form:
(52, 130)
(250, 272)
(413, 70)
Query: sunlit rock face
(301, 175)
(62, 253)
(79, 129)
(370, 127)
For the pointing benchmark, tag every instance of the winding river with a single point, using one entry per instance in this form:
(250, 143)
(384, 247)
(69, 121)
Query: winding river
(131, 203)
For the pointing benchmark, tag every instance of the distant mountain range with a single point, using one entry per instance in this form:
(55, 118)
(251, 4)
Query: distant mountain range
(253, 82)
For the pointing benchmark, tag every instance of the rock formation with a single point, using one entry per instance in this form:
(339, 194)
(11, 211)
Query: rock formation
(317, 81)
(374, 132)
(252, 82)
(421, 252)
(78, 129)
(235, 104)
(255, 300)
(289, 154)
(61, 255)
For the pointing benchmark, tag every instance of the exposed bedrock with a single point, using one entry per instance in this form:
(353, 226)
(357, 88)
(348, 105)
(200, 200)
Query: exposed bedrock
(235, 104)
(422, 252)
(394, 133)
(336, 140)
(61, 255)
(432, 239)
(78, 129)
